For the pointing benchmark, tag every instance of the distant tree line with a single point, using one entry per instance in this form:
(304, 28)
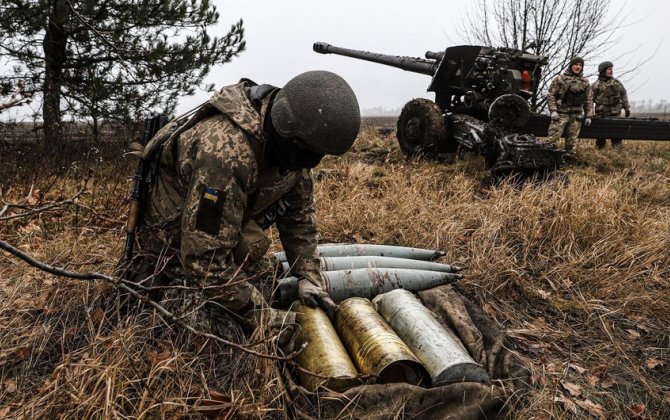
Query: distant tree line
(651, 106)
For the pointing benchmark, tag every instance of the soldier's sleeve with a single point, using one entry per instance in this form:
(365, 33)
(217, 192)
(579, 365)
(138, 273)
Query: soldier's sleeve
(594, 89)
(221, 171)
(624, 96)
(552, 94)
(298, 232)
(588, 105)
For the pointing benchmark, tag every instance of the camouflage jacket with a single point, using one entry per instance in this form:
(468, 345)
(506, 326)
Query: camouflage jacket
(570, 93)
(211, 180)
(609, 96)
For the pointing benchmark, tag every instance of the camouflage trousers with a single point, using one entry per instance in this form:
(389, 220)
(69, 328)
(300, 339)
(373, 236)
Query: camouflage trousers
(568, 124)
(608, 112)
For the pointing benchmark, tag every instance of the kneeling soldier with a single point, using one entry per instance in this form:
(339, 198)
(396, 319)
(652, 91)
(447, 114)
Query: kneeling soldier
(222, 177)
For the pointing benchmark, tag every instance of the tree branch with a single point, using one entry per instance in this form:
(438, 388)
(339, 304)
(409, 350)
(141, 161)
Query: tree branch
(126, 286)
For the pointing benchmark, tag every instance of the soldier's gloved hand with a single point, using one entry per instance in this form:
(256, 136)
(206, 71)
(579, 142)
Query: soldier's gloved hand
(627, 111)
(315, 296)
(554, 116)
(587, 122)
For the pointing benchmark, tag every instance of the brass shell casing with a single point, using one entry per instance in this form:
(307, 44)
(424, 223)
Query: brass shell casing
(324, 354)
(373, 345)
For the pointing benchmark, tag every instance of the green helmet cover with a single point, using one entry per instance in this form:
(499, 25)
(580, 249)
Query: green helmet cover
(604, 66)
(320, 110)
(576, 60)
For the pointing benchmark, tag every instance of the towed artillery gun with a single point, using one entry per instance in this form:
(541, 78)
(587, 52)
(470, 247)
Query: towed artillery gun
(481, 105)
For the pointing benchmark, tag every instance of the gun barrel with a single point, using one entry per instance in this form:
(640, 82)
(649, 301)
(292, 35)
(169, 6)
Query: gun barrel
(413, 64)
(431, 55)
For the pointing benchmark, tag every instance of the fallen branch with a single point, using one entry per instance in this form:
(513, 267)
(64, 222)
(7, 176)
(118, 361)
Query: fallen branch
(42, 209)
(125, 285)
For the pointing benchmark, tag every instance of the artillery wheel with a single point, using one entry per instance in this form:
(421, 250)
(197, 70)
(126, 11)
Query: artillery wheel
(509, 111)
(421, 128)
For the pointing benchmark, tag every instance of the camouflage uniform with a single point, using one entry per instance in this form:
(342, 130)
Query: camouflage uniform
(213, 195)
(570, 95)
(610, 98)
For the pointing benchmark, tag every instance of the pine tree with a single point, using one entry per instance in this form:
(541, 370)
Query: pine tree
(110, 59)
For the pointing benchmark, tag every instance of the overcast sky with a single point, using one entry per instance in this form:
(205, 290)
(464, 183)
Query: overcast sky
(280, 35)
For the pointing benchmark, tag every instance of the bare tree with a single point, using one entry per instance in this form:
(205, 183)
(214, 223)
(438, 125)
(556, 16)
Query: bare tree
(557, 29)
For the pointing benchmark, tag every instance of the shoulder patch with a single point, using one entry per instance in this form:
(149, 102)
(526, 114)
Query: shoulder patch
(210, 211)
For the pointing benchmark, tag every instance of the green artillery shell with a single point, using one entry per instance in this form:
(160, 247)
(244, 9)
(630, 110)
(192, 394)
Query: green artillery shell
(442, 353)
(369, 282)
(371, 250)
(351, 263)
(324, 354)
(374, 347)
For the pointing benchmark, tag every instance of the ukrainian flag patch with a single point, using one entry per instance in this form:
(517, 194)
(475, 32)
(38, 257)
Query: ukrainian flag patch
(210, 211)
(211, 194)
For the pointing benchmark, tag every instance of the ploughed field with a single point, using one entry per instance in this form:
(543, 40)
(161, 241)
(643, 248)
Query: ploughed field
(578, 275)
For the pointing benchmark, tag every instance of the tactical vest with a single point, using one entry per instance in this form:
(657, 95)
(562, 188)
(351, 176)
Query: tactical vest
(606, 93)
(575, 93)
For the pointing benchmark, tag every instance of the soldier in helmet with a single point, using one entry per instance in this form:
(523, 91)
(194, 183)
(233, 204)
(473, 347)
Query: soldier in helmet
(238, 165)
(610, 97)
(569, 100)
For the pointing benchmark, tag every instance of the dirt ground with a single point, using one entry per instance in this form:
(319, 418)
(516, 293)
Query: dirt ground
(578, 276)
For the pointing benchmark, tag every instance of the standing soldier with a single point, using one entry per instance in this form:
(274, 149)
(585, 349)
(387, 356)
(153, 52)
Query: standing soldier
(569, 98)
(610, 97)
(240, 164)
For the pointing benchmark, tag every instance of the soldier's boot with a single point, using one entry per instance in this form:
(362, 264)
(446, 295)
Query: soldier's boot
(617, 142)
(275, 325)
(600, 143)
(278, 326)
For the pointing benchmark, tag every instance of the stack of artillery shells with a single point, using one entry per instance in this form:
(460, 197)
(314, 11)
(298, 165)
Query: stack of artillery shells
(442, 353)
(369, 270)
(375, 348)
(323, 352)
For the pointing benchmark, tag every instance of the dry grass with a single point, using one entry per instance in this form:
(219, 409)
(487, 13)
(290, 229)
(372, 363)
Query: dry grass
(578, 275)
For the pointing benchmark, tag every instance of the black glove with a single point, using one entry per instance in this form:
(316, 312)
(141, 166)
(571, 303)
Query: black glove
(627, 111)
(315, 296)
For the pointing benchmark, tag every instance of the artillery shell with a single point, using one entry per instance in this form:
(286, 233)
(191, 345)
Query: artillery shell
(369, 282)
(374, 347)
(324, 353)
(351, 263)
(441, 352)
(371, 250)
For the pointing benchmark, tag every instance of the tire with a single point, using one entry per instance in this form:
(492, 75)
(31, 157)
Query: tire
(421, 128)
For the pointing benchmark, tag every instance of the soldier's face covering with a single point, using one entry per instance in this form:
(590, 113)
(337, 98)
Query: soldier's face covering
(287, 153)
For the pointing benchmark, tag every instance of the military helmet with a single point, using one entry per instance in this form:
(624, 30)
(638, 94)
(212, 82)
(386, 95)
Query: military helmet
(604, 66)
(320, 110)
(576, 60)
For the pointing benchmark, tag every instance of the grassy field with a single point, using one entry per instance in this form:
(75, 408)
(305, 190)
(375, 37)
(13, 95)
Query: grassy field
(578, 275)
